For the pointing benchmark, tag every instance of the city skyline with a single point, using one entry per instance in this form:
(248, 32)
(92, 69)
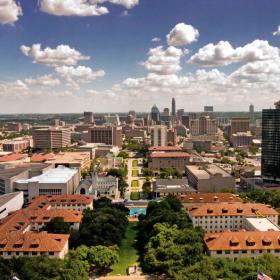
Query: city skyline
(65, 58)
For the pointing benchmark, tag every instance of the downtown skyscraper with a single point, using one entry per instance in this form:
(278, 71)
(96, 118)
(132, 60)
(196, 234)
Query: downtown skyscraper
(271, 144)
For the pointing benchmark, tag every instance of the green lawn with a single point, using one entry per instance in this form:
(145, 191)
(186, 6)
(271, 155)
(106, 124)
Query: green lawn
(135, 163)
(135, 184)
(135, 173)
(128, 254)
(135, 195)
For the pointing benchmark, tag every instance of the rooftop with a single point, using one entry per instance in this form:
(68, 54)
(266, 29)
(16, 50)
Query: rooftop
(61, 174)
(242, 240)
(262, 224)
(69, 157)
(33, 242)
(170, 155)
(172, 185)
(206, 171)
(44, 201)
(4, 198)
(210, 198)
(12, 157)
(232, 209)
(165, 148)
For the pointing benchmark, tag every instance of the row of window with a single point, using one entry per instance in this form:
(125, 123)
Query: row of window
(228, 252)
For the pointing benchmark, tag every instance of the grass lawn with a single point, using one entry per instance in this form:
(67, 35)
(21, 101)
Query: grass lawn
(128, 254)
(135, 163)
(135, 184)
(135, 195)
(135, 173)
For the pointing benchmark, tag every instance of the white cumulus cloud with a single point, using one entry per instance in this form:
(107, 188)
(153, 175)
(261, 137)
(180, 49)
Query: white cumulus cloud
(156, 39)
(164, 61)
(277, 32)
(81, 7)
(182, 34)
(45, 81)
(224, 54)
(10, 11)
(61, 55)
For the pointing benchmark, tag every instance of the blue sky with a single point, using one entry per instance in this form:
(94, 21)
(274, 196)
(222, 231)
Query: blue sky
(118, 41)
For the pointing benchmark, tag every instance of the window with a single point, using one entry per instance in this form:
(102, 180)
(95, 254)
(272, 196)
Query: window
(219, 252)
(17, 245)
(34, 245)
(51, 253)
(227, 252)
(244, 251)
(2, 245)
(235, 252)
(34, 253)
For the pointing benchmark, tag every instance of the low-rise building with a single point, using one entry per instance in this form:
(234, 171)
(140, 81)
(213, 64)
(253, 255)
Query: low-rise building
(10, 202)
(209, 178)
(191, 199)
(71, 159)
(228, 216)
(164, 187)
(14, 126)
(16, 146)
(177, 160)
(249, 244)
(60, 180)
(260, 224)
(71, 201)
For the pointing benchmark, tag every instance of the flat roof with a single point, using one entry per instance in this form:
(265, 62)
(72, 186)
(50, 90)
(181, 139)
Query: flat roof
(206, 171)
(170, 155)
(4, 198)
(262, 224)
(61, 174)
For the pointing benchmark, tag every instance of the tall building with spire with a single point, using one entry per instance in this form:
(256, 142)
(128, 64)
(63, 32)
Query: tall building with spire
(173, 111)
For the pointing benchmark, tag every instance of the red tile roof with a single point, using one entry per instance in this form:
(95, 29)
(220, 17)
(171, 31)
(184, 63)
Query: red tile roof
(45, 201)
(165, 148)
(170, 155)
(231, 209)
(242, 240)
(41, 157)
(209, 198)
(33, 242)
(12, 157)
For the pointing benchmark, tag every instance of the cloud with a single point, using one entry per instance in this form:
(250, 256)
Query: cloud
(163, 61)
(224, 54)
(277, 32)
(61, 55)
(125, 13)
(81, 7)
(80, 74)
(182, 34)
(156, 39)
(10, 11)
(45, 81)
(13, 88)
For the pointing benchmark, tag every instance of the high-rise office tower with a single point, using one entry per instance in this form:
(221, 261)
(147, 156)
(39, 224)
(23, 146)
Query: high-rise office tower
(251, 113)
(271, 144)
(240, 125)
(155, 114)
(173, 111)
(88, 117)
(159, 136)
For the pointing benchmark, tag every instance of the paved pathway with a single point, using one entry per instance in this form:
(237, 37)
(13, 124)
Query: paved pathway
(130, 178)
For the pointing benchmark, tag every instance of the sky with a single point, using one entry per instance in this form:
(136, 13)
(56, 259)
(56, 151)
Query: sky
(68, 56)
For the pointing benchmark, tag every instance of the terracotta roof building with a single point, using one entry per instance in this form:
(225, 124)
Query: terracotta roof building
(201, 198)
(219, 217)
(242, 244)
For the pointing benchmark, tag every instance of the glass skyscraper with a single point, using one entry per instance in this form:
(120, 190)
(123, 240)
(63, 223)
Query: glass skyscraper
(271, 144)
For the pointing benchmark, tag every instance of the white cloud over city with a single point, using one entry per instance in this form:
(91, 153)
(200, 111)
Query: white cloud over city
(10, 11)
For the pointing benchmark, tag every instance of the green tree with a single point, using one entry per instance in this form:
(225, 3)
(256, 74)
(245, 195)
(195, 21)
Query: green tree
(57, 225)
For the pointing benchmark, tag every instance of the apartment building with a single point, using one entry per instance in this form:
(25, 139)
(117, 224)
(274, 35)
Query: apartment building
(51, 138)
(241, 139)
(228, 216)
(10, 202)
